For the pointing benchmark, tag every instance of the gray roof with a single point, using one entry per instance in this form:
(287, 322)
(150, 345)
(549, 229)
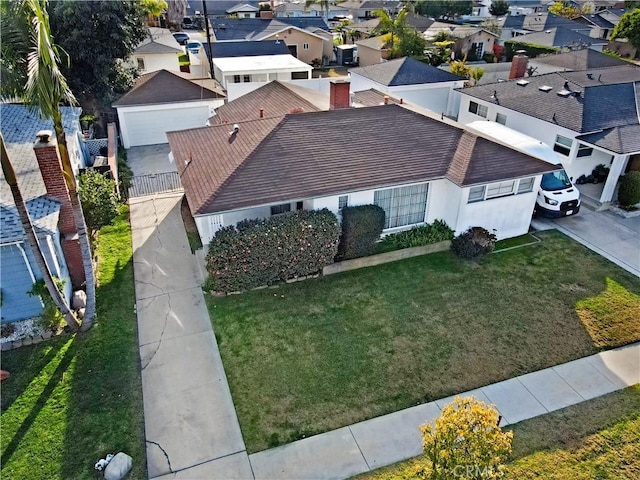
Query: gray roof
(151, 46)
(216, 7)
(19, 127)
(243, 48)
(606, 100)
(404, 71)
(538, 22)
(559, 37)
(625, 139)
(258, 28)
(596, 20)
(585, 59)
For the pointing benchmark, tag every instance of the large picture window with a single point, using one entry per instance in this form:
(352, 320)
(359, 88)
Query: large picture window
(563, 145)
(480, 110)
(402, 205)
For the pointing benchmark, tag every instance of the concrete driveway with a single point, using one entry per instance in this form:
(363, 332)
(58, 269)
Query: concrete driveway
(150, 159)
(607, 233)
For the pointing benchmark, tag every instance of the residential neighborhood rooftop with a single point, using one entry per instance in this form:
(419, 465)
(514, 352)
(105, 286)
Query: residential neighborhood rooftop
(244, 48)
(456, 31)
(260, 62)
(278, 159)
(560, 37)
(404, 71)
(624, 139)
(538, 22)
(258, 28)
(584, 59)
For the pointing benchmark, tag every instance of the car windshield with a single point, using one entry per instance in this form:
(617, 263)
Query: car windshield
(555, 181)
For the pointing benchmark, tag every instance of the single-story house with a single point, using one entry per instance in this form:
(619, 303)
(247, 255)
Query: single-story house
(260, 68)
(159, 51)
(409, 79)
(163, 101)
(300, 9)
(216, 8)
(308, 38)
(360, 10)
(243, 10)
(372, 51)
(515, 25)
(247, 48)
(50, 213)
(563, 39)
(470, 41)
(422, 170)
(588, 117)
(586, 59)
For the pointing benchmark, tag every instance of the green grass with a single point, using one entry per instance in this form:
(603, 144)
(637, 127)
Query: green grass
(72, 400)
(520, 241)
(316, 355)
(596, 439)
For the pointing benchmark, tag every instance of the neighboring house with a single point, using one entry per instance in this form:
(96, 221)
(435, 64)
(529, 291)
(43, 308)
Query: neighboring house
(360, 10)
(600, 26)
(216, 8)
(43, 189)
(308, 39)
(472, 42)
(588, 117)
(157, 52)
(261, 68)
(586, 59)
(247, 48)
(163, 101)
(563, 39)
(299, 9)
(372, 51)
(421, 84)
(273, 99)
(422, 170)
(243, 10)
(515, 25)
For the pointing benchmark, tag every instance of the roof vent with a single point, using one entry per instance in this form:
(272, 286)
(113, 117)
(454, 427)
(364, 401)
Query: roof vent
(564, 93)
(236, 129)
(577, 93)
(523, 82)
(590, 76)
(545, 88)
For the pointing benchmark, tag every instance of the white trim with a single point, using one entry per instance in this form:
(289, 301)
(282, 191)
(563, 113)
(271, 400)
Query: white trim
(271, 34)
(54, 256)
(26, 259)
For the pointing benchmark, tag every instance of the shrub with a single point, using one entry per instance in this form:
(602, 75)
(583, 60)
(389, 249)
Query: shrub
(125, 174)
(533, 50)
(263, 251)
(629, 191)
(476, 241)
(51, 318)
(416, 237)
(99, 199)
(361, 229)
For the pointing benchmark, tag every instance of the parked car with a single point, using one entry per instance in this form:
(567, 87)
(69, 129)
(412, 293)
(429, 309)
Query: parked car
(181, 37)
(194, 46)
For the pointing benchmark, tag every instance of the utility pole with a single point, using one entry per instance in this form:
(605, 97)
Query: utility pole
(206, 29)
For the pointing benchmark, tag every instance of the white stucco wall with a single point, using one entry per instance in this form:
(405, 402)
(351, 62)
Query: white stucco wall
(157, 61)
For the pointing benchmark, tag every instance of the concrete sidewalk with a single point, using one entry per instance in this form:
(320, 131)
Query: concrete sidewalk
(384, 440)
(191, 426)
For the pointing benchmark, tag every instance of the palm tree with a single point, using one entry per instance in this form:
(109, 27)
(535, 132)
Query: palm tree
(389, 24)
(32, 239)
(45, 90)
(324, 4)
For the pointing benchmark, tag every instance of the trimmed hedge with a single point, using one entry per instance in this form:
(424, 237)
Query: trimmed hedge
(476, 241)
(533, 50)
(629, 190)
(439, 231)
(264, 251)
(361, 229)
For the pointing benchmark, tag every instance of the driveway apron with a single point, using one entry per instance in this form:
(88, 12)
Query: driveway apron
(191, 426)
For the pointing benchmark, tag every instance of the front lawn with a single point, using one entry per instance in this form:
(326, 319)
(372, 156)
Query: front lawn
(596, 439)
(313, 356)
(72, 400)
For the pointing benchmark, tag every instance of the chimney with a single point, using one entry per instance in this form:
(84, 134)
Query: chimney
(266, 14)
(339, 94)
(46, 151)
(262, 113)
(519, 65)
(385, 99)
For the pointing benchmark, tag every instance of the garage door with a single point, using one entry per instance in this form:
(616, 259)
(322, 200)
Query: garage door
(149, 128)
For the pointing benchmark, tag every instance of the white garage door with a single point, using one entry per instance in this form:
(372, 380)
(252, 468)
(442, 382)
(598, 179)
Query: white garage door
(149, 128)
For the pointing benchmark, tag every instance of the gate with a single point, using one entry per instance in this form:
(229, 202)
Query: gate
(154, 183)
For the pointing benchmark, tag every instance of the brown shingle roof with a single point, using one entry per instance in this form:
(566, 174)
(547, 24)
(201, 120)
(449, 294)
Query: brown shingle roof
(300, 156)
(164, 86)
(275, 98)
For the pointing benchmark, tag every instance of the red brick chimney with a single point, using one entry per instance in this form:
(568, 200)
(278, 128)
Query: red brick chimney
(519, 65)
(266, 14)
(46, 150)
(339, 94)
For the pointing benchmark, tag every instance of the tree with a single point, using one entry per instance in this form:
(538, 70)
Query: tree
(176, 11)
(444, 8)
(324, 4)
(401, 39)
(45, 90)
(99, 200)
(499, 8)
(492, 25)
(32, 239)
(465, 442)
(565, 9)
(97, 36)
(460, 68)
(629, 27)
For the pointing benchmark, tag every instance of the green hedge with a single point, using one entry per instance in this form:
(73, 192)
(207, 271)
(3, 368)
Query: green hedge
(629, 191)
(361, 229)
(264, 251)
(439, 231)
(533, 50)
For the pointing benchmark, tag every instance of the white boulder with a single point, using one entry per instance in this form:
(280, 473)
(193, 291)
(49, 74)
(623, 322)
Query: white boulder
(79, 300)
(118, 467)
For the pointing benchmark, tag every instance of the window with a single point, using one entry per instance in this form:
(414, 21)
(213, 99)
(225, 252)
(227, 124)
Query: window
(500, 189)
(140, 62)
(480, 110)
(584, 150)
(563, 145)
(305, 46)
(299, 205)
(501, 118)
(525, 185)
(246, 15)
(402, 205)
(246, 78)
(476, 194)
(343, 201)
(236, 79)
(280, 209)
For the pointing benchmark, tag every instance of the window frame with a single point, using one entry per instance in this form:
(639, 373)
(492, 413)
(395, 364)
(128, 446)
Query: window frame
(246, 78)
(140, 63)
(584, 150)
(560, 147)
(498, 114)
(343, 199)
(477, 109)
(521, 181)
(393, 196)
(481, 188)
(305, 46)
(285, 207)
(236, 79)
